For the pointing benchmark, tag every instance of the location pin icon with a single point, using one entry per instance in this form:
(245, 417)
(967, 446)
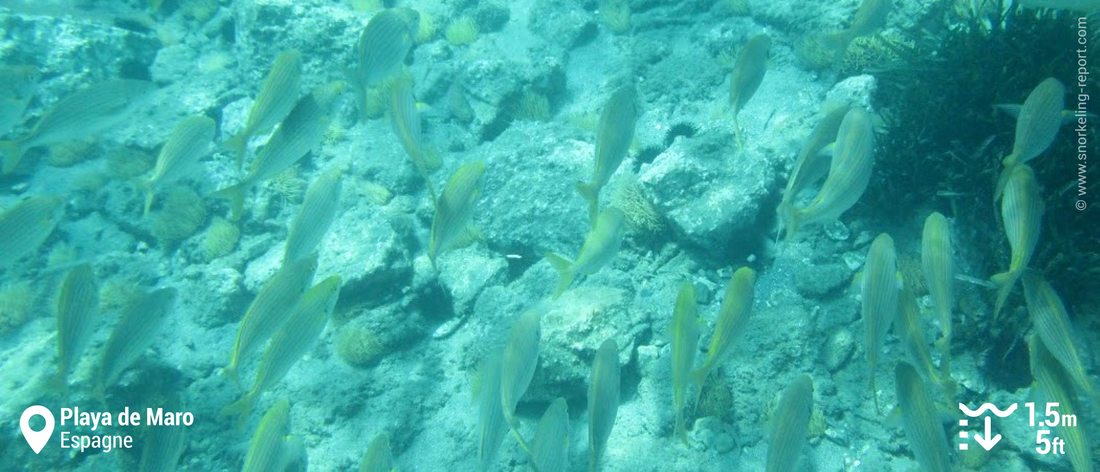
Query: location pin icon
(36, 439)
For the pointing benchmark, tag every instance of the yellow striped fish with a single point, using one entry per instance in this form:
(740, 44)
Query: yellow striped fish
(455, 207)
(879, 288)
(599, 248)
(684, 335)
(616, 131)
(1036, 126)
(909, 329)
(869, 18)
(379, 457)
(603, 400)
(270, 308)
(266, 451)
(294, 338)
(939, 275)
(550, 448)
(1057, 387)
(1052, 325)
(921, 421)
(1021, 214)
(87, 112)
(733, 315)
(135, 332)
(162, 446)
(406, 125)
(300, 132)
(748, 73)
(190, 140)
(77, 309)
(383, 45)
(813, 161)
(319, 208)
(849, 173)
(790, 424)
(491, 424)
(278, 93)
(517, 367)
(26, 226)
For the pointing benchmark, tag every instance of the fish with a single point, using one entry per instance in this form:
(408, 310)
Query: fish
(908, 328)
(748, 74)
(382, 47)
(921, 421)
(732, 317)
(1056, 386)
(1051, 323)
(1022, 214)
(613, 138)
(87, 112)
(277, 96)
(77, 312)
(603, 400)
(301, 132)
(812, 163)
(26, 225)
(271, 307)
(406, 125)
(849, 173)
(684, 337)
(1036, 126)
(319, 208)
(136, 330)
(599, 248)
(517, 367)
(266, 451)
(550, 448)
(17, 86)
(869, 18)
(294, 338)
(379, 457)
(491, 424)
(939, 274)
(162, 446)
(790, 424)
(190, 140)
(879, 289)
(455, 207)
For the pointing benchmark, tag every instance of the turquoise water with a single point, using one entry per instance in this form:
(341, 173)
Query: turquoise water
(619, 235)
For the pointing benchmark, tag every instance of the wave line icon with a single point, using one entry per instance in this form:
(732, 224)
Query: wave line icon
(987, 407)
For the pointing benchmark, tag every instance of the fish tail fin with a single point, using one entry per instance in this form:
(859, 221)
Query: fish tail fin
(791, 223)
(12, 153)
(1002, 180)
(699, 377)
(562, 265)
(1004, 282)
(235, 195)
(238, 144)
(593, 460)
(590, 191)
(874, 393)
(231, 372)
(147, 186)
(738, 139)
(240, 409)
(681, 430)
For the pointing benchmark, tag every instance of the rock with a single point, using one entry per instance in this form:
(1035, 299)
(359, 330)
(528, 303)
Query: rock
(820, 281)
(838, 349)
(855, 91)
(529, 192)
(573, 328)
(710, 202)
(466, 272)
(564, 24)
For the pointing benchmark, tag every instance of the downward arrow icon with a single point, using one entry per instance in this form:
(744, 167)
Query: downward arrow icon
(985, 440)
